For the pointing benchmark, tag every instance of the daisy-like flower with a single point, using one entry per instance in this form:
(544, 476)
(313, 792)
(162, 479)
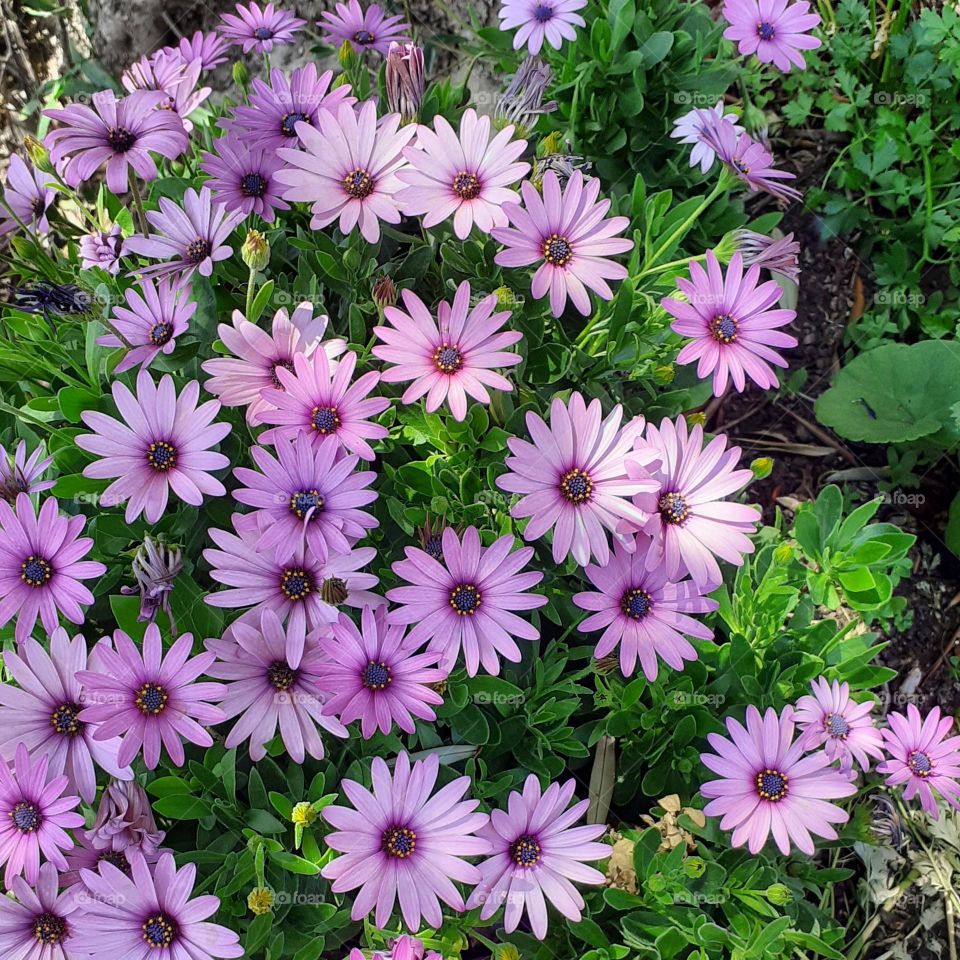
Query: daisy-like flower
(775, 30)
(463, 176)
(688, 519)
(843, 727)
(403, 948)
(177, 78)
(103, 249)
(155, 315)
(211, 49)
(767, 785)
(450, 357)
(400, 840)
(320, 405)
(375, 676)
(306, 493)
(150, 699)
(191, 237)
(38, 924)
(348, 168)
(690, 129)
(34, 817)
(468, 600)
(552, 21)
(163, 444)
(42, 566)
(733, 327)
(781, 256)
(536, 853)
(123, 132)
(369, 29)
(242, 177)
(273, 680)
(239, 381)
(573, 480)
(565, 233)
(749, 161)
(923, 757)
(260, 30)
(270, 120)
(26, 197)
(42, 712)
(150, 915)
(643, 611)
(22, 474)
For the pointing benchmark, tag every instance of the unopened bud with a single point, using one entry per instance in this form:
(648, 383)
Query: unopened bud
(384, 292)
(255, 250)
(260, 900)
(347, 56)
(39, 154)
(241, 75)
(303, 814)
(762, 467)
(664, 374)
(780, 894)
(405, 80)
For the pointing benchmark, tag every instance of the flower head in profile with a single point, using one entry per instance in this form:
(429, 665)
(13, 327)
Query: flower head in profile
(768, 784)
(38, 923)
(168, 72)
(405, 839)
(21, 473)
(156, 566)
(211, 49)
(376, 676)
(465, 176)
(775, 30)
(779, 256)
(103, 249)
(404, 80)
(732, 322)
(364, 29)
(522, 102)
(537, 852)
(26, 197)
(242, 177)
(922, 756)
(259, 30)
(468, 600)
(161, 446)
(750, 162)
(567, 234)
(541, 21)
(690, 129)
(450, 357)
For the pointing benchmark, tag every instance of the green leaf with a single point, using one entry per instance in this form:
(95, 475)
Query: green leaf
(179, 806)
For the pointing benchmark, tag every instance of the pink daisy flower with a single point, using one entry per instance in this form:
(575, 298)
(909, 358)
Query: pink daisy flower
(780, 256)
(733, 327)
(400, 840)
(923, 757)
(168, 72)
(767, 785)
(643, 611)
(348, 168)
(565, 233)
(324, 405)
(242, 177)
(467, 600)
(369, 29)
(450, 357)
(573, 480)
(239, 381)
(843, 727)
(260, 30)
(536, 853)
(690, 129)
(775, 30)
(375, 676)
(209, 48)
(749, 161)
(26, 197)
(552, 21)
(463, 176)
(163, 444)
(37, 924)
(22, 474)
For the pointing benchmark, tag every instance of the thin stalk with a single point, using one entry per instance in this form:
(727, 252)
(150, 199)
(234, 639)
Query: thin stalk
(138, 203)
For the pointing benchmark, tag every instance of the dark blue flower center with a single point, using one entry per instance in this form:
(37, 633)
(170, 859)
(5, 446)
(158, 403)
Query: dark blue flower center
(324, 420)
(920, 763)
(120, 139)
(376, 675)
(740, 166)
(673, 508)
(765, 30)
(542, 12)
(280, 365)
(280, 675)
(772, 784)
(162, 456)
(39, 207)
(198, 250)
(50, 929)
(296, 584)
(363, 37)
(289, 121)
(836, 725)
(525, 851)
(448, 358)
(64, 719)
(635, 603)
(576, 485)
(263, 33)
(723, 328)
(466, 185)
(358, 183)
(557, 250)
(399, 842)
(253, 185)
(465, 599)
(26, 816)
(117, 859)
(160, 333)
(152, 699)
(159, 930)
(305, 501)
(35, 571)
(434, 546)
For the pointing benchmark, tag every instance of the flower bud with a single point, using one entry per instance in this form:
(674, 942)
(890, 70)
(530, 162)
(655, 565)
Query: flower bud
(241, 75)
(384, 292)
(260, 900)
(405, 80)
(698, 418)
(780, 894)
(39, 155)
(347, 56)
(255, 250)
(303, 814)
(762, 467)
(664, 374)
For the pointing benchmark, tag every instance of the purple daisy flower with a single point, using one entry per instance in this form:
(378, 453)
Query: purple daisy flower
(34, 817)
(103, 249)
(749, 161)
(151, 915)
(243, 177)
(192, 237)
(780, 257)
(467, 601)
(306, 493)
(150, 699)
(270, 120)
(26, 197)
(568, 233)
(400, 840)
(241, 379)
(369, 29)
(38, 924)
(21, 474)
(536, 853)
(643, 611)
(319, 405)
(843, 727)
(273, 678)
(156, 314)
(463, 176)
(41, 566)
(123, 132)
(690, 129)
(162, 444)
(171, 74)
(42, 712)
(376, 676)
(450, 357)
(733, 327)
(766, 785)
(573, 480)
(210, 49)
(688, 519)
(348, 168)
(921, 757)
(775, 30)
(552, 21)
(260, 30)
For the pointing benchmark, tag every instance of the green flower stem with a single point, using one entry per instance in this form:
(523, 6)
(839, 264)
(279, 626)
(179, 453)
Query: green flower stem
(138, 203)
(251, 291)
